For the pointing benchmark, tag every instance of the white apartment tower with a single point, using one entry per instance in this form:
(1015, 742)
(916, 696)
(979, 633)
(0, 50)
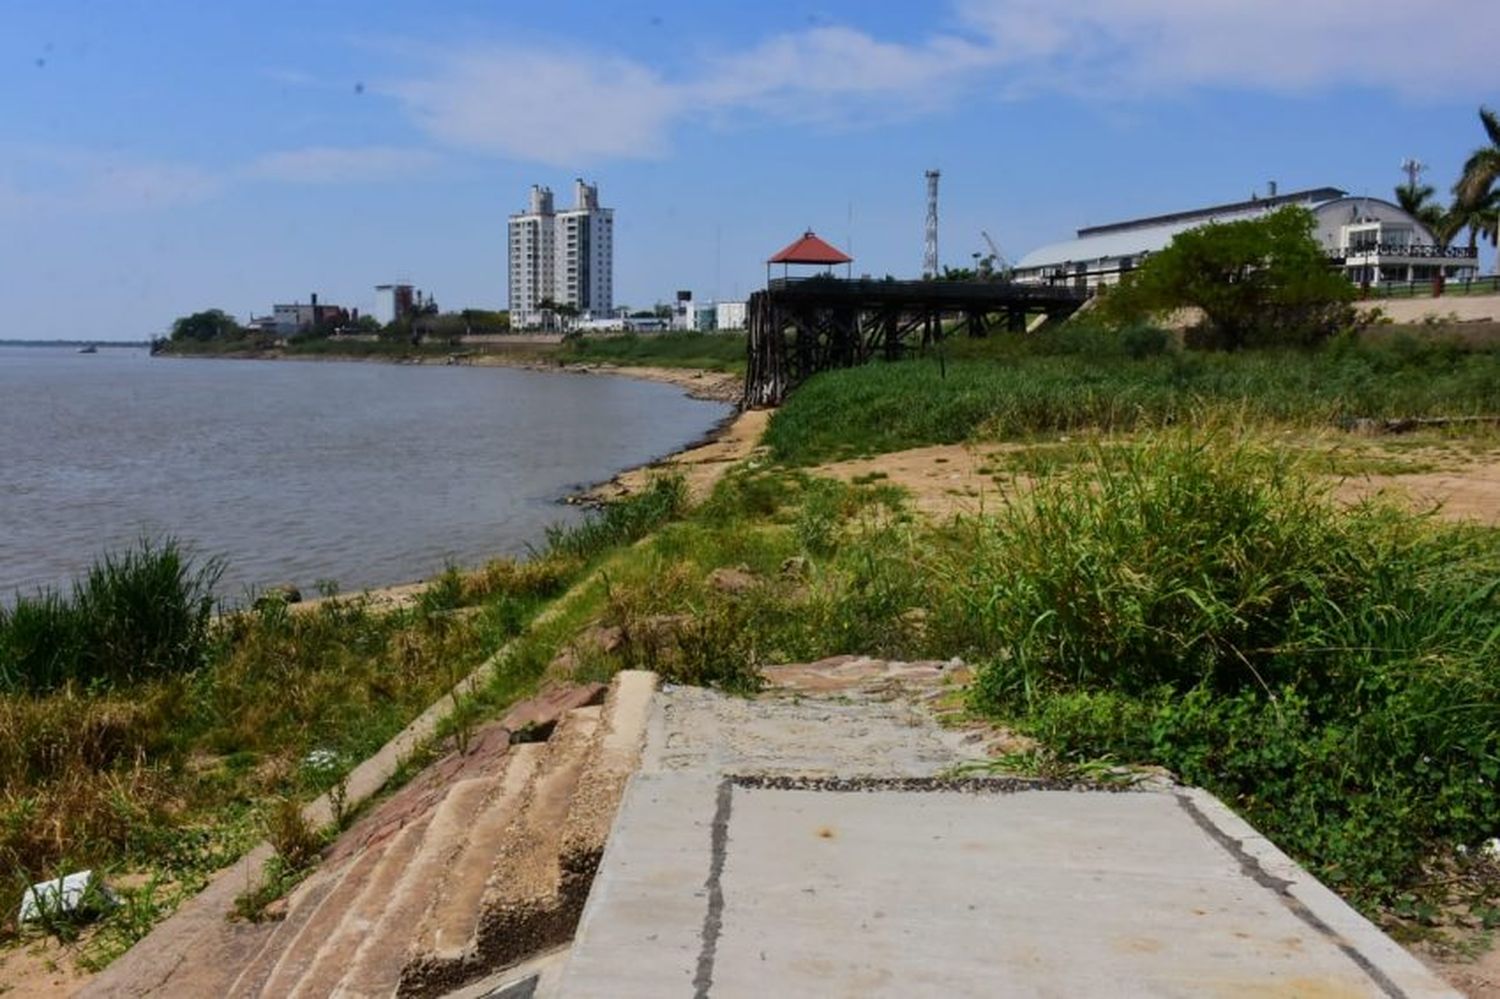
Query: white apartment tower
(566, 256)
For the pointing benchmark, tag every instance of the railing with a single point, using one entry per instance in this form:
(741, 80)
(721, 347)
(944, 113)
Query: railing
(1424, 289)
(1409, 251)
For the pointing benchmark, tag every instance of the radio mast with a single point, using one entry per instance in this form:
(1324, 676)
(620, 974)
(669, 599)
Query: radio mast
(930, 249)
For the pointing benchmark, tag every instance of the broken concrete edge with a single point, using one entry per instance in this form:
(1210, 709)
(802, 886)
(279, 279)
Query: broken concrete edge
(1396, 971)
(537, 976)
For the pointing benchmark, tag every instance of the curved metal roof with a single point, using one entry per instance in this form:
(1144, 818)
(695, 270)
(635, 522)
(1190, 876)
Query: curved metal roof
(1127, 239)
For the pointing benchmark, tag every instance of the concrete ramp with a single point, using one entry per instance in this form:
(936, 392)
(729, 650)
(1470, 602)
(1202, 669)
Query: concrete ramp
(725, 884)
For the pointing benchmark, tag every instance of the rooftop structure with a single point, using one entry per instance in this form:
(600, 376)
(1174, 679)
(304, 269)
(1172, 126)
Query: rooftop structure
(809, 250)
(1370, 239)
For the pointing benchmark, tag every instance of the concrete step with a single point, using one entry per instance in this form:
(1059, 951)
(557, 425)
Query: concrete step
(376, 965)
(523, 882)
(453, 912)
(296, 950)
(337, 943)
(302, 904)
(617, 754)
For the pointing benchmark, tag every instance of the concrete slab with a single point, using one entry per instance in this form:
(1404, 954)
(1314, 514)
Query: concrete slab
(716, 887)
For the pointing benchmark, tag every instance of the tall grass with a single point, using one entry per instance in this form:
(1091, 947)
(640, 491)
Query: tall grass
(1194, 602)
(1018, 389)
(621, 522)
(138, 614)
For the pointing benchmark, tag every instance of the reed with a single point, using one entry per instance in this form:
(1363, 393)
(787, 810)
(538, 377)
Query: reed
(1008, 389)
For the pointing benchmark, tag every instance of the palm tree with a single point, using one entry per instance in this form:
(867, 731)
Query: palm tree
(1476, 195)
(1416, 201)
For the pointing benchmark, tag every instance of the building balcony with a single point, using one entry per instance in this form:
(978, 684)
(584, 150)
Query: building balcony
(1405, 251)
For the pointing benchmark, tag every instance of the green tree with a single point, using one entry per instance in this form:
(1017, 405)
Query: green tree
(211, 324)
(1416, 200)
(1258, 282)
(1478, 217)
(1477, 193)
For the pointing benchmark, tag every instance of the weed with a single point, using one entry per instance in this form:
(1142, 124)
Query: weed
(295, 841)
(620, 522)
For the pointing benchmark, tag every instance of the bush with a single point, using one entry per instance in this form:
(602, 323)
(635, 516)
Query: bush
(136, 615)
(1194, 602)
(1259, 282)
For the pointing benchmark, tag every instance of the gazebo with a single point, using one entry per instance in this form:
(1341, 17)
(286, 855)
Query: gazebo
(812, 251)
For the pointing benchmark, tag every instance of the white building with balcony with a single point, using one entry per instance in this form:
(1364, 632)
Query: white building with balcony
(1370, 239)
(565, 256)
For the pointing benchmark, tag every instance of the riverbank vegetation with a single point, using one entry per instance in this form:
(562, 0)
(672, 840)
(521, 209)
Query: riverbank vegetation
(1185, 590)
(702, 351)
(146, 739)
(1088, 377)
(1191, 599)
(706, 351)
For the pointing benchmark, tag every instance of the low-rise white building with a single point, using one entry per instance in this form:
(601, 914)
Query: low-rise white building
(729, 315)
(1370, 239)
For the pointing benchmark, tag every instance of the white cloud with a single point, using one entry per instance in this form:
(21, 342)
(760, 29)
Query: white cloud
(1143, 47)
(549, 106)
(340, 164)
(565, 105)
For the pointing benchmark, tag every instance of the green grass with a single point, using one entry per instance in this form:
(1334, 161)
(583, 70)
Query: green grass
(141, 613)
(1190, 600)
(708, 351)
(165, 742)
(1195, 602)
(1004, 391)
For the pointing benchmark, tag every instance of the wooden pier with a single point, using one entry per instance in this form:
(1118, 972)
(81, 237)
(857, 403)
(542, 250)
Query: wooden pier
(798, 327)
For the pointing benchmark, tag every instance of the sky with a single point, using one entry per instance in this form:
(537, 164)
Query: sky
(158, 157)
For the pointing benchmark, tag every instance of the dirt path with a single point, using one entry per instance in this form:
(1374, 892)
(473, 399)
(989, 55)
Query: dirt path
(950, 479)
(943, 480)
(1470, 493)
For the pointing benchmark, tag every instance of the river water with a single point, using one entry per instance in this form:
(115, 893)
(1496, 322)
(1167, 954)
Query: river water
(361, 473)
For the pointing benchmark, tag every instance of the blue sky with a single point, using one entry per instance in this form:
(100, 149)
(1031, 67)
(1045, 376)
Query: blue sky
(162, 156)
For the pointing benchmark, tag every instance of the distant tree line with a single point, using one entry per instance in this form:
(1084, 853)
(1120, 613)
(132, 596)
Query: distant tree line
(427, 322)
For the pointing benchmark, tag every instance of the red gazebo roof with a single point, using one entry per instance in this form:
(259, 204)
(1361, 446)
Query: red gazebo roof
(810, 250)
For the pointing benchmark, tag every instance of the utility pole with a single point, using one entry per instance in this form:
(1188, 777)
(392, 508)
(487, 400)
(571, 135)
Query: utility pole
(930, 249)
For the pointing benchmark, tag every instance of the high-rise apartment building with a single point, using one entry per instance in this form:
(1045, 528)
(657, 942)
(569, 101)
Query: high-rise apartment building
(566, 256)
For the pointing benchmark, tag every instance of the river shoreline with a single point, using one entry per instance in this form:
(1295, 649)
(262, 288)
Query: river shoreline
(696, 383)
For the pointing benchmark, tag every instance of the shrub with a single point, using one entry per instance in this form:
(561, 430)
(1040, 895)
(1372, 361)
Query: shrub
(1259, 282)
(139, 614)
(1194, 602)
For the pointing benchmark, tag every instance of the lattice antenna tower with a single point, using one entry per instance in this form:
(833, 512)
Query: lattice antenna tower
(930, 249)
(1413, 168)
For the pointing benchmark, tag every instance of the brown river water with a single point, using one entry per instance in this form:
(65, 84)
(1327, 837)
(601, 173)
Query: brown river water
(365, 474)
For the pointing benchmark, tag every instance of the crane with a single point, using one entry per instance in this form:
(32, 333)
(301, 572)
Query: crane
(996, 260)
